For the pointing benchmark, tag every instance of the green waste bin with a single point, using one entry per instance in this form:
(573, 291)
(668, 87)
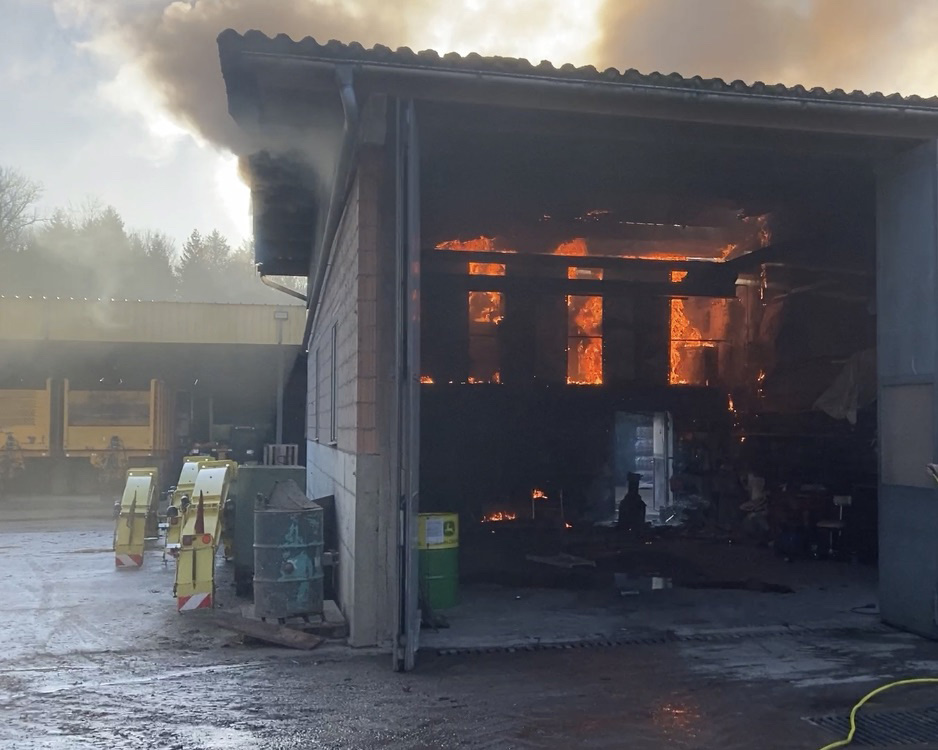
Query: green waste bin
(438, 559)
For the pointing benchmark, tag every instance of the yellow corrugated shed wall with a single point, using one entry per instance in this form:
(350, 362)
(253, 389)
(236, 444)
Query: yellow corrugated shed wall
(51, 319)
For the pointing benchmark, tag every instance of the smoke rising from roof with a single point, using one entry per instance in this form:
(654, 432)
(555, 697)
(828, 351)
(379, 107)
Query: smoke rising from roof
(173, 44)
(850, 44)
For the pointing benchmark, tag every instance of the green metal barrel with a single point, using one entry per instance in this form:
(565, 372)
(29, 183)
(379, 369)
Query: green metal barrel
(288, 542)
(251, 482)
(438, 559)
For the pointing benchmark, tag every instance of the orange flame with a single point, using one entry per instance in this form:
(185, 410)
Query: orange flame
(486, 307)
(586, 315)
(496, 378)
(575, 247)
(486, 269)
(589, 274)
(537, 494)
(685, 335)
(682, 332)
(478, 245)
(500, 515)
(426, 379)
(585, 362)
(678, 276)
(585, 343)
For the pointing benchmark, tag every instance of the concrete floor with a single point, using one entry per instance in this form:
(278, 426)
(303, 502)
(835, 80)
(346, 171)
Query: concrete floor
(95, 658)
(588, 605)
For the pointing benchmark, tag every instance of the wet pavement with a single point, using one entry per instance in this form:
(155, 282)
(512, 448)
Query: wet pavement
(95, 658)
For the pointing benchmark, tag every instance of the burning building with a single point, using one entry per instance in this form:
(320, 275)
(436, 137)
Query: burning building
(533, 277)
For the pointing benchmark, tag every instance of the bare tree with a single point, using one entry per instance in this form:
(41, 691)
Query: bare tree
(18, 198)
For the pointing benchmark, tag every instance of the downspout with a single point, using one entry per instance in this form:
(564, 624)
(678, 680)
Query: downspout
(343, 175)
(281, 288)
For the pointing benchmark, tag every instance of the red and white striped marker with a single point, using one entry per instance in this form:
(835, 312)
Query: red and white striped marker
(195, 601)
(128, 561)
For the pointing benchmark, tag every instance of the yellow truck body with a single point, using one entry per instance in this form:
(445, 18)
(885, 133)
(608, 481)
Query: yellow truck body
(26, 414)
(140, 421)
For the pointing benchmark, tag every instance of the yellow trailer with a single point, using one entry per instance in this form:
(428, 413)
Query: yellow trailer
(179, 501)
(202, 530)
(137, 519)
(26, 419)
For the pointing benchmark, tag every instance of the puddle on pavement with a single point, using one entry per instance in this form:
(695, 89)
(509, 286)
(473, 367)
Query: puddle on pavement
(90, 551)
(209, 738)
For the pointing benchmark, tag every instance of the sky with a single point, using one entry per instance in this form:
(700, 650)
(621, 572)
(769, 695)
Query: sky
(85, 121)
(67, 125)
(122, 102)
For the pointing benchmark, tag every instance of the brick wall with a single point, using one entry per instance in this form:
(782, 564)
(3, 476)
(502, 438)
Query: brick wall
(349, 466)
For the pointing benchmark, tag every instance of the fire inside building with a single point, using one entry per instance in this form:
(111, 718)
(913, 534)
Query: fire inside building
(578, 325)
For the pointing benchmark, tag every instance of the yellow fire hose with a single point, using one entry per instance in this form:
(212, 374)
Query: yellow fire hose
(869, 696)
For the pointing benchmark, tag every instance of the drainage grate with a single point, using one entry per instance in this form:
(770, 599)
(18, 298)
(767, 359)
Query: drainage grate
(669, 637)
(913, 727)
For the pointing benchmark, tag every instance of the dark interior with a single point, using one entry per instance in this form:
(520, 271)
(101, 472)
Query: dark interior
(736, 273)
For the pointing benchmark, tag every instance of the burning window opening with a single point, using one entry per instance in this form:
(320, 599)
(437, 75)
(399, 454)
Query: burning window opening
(486, 269)
(586, 274)
(678, 276)
(486, 308)
(584, 340)
(537, 494)
(693, 355)
(499, 516)
(426, 380)
(486, 312)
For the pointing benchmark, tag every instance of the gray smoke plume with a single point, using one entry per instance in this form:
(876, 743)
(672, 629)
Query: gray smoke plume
(175, 45)
(849, 44)
(869, 44)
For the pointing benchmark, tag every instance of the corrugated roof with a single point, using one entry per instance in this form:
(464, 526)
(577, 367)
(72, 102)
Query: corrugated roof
(334, 51)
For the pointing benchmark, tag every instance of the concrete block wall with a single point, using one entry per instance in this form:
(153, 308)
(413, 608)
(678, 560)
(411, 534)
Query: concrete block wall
(349, 466)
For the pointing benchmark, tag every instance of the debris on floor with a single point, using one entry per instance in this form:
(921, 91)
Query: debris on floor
(562, 560)
(630, 585)
(750, 584)
(281, 635)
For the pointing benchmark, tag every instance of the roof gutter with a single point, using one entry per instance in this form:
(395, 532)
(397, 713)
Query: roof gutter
(340, 189)
(622, 98)
(281, 288)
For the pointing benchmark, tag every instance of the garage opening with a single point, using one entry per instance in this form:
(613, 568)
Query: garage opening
(648, 375)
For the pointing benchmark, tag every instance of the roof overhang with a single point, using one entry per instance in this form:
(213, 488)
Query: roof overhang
(277, 84)
(307, 66)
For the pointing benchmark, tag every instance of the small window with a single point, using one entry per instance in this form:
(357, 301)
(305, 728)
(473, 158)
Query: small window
(584, 340)
(486, 312)
(316, 394)
(333, 431)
